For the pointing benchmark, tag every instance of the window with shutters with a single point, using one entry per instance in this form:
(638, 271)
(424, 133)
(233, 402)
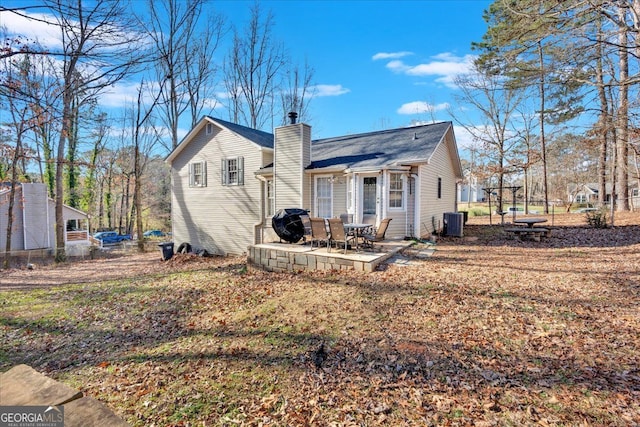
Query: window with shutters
(233, 171)
(198, 174)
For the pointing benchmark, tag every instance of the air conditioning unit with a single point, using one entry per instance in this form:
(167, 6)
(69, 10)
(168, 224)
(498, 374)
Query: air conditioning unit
(453, 224)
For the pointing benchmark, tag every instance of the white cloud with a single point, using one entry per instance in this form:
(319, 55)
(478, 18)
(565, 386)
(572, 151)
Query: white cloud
(418, 107)
(445, 66)
(35, 29)
(120, 95)
(390, 55)
(464, 139)
(328, 90)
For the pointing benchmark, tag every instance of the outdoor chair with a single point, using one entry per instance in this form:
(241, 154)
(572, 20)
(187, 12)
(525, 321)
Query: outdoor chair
(347, 218)
(370, 238)
(338, 235)
(371, 220)
(306, 223)
(318, 231)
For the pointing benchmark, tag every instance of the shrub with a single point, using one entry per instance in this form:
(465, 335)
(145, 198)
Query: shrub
(597, 219)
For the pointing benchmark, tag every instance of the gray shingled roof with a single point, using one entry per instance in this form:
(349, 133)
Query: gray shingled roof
(377, 149)
(263, 139)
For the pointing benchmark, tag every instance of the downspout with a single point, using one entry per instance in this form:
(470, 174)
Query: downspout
(48, 224)
(24, 218)
(416, 205)
(259, 226)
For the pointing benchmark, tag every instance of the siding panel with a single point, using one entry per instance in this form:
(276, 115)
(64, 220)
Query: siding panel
(217, 218)
(432, 207)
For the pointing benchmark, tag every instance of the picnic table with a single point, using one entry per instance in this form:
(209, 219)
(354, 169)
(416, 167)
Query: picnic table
(530, 222)
(530, 230)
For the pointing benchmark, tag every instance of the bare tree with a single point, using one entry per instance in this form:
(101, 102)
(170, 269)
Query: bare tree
(252, 70)
(297, 92)
(496, 102)
(144, 136)
(184, 58)
(98, 49)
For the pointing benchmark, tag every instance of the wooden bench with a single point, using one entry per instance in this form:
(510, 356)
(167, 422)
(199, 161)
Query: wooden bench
(24, 386)
(534, 232)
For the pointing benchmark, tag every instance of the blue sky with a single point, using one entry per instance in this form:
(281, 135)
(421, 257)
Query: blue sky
(378, 64)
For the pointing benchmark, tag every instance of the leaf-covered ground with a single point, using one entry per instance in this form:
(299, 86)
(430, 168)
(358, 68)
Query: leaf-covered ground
(490, 330)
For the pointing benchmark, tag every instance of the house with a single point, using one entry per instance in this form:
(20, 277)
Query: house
(229, 180)
(469, 191)
(588, 193)
(34, 221)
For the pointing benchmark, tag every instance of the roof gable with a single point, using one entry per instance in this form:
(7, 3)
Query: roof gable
(258, 137)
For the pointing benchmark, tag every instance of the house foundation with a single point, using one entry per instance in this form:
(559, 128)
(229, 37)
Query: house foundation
(283, 257)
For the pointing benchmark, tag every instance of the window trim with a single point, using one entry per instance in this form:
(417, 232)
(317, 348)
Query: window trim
(270, 198)
(402, 191)
(192, 174)
(225, 171)
(330, 197)
(209, 129)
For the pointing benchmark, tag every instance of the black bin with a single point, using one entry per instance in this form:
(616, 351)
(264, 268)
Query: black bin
(167, 250)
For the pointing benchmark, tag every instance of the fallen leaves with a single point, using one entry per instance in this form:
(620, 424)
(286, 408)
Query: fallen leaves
(488, 331)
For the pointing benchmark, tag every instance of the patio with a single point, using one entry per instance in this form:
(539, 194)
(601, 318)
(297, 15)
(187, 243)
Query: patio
(282, 257)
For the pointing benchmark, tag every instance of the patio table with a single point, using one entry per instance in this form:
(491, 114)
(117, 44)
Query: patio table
(357, 230)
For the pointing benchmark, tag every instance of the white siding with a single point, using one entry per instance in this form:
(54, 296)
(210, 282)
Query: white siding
(292, 155)
(217, 218)
(17, 237)
(432, 208)
(34, 209)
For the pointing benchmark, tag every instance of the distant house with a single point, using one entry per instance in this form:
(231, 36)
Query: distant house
(588, 193)
(229, 180)
(34, 220)
(469, 191)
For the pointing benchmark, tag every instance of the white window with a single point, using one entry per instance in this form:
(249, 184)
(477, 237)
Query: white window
(323, 197)
(232, 171)
(198, 174)
(270, 200)
(396, 191)
(209, 128)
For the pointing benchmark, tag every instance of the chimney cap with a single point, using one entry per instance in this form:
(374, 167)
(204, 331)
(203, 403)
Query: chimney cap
(292, 117)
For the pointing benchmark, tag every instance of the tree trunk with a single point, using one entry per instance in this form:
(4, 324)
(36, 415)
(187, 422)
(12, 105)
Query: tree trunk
(543, 147)
(603, 125)
(61, 255)
(623, 121)
(12, 197)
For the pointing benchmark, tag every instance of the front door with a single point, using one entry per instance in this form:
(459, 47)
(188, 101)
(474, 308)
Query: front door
(369, 199)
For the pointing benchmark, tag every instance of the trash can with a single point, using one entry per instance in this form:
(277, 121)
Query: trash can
(167, 250)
